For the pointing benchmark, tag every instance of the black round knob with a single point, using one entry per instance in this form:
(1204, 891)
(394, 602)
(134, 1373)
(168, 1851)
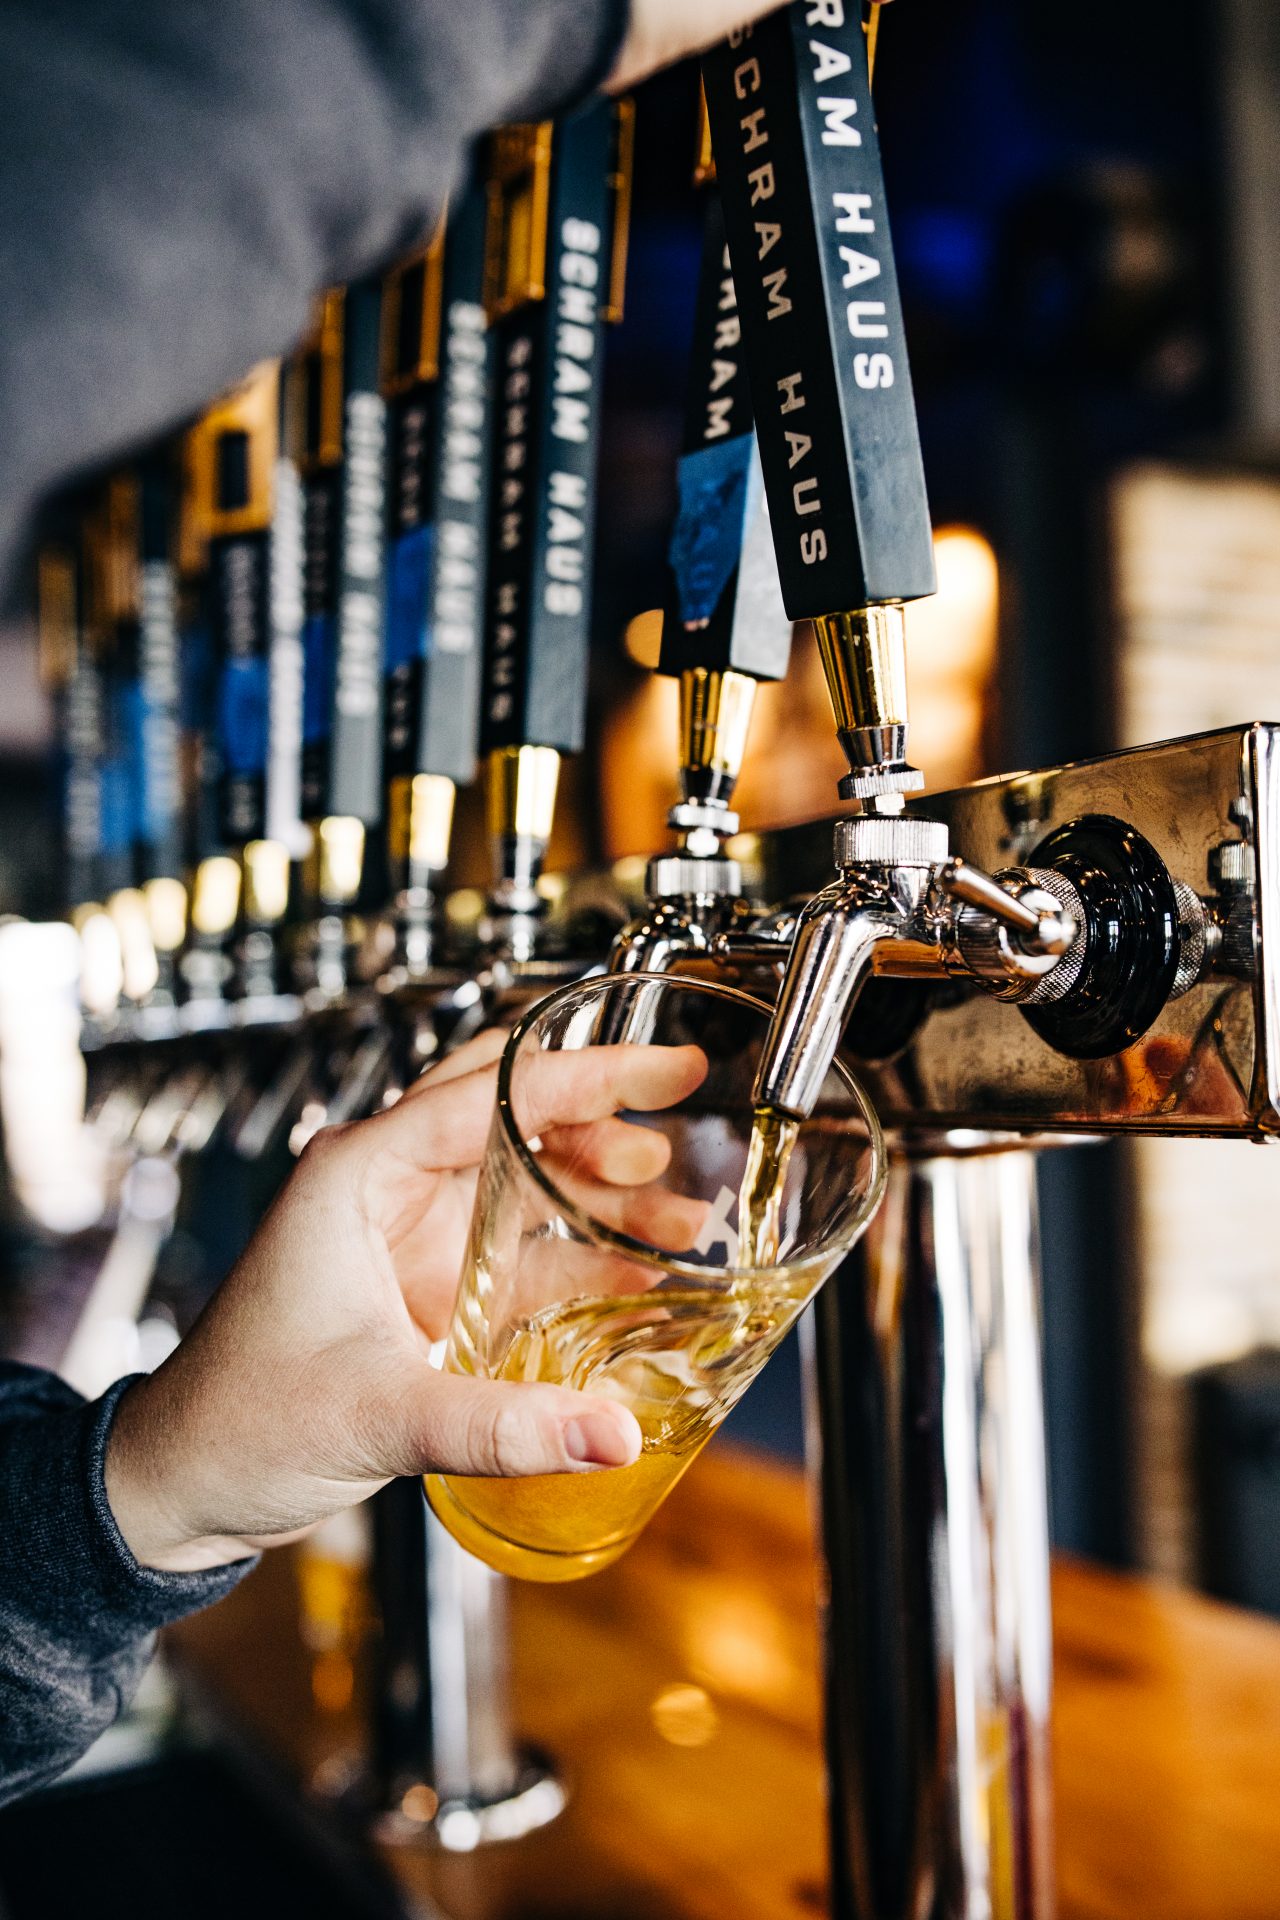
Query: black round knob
(1132, 941)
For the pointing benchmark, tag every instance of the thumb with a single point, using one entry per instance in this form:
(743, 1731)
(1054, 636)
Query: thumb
(513, 1428)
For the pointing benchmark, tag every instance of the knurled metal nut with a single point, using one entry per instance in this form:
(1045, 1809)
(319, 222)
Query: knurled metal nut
(1057, 985)
(865, 786)
(674, 876)
(1238, 955)
(1232, 864)
(890, 840)
(1193, 937)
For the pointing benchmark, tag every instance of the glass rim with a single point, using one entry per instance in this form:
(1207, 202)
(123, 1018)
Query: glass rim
(642, 1250)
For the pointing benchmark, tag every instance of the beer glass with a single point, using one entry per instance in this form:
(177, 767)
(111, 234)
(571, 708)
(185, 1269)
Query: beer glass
(604, 1249)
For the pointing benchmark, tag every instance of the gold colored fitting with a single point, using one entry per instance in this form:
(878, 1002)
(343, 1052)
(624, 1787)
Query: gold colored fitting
(621, 183)
(110, 549)
(519, 195)
(340, 855)
(215, 899)
(420, 820)
(57, 611)
(253, 410)
(166, 903)
(517, 237)
(522, 783)
(715, 719)
(704, 169)
(128, 913)
(407, 358)
(266, 882)
(864, 658)
(101, 966)
(313, 396)
(871, 27)
(86, 911)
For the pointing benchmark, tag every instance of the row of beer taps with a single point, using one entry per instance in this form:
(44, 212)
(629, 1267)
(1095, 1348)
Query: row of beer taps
(281, 645)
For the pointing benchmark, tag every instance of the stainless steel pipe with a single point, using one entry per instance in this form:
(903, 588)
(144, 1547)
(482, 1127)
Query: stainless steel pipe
(926, 1442)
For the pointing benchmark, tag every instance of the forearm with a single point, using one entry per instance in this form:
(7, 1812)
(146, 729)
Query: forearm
(77, 1612)
(178, 181)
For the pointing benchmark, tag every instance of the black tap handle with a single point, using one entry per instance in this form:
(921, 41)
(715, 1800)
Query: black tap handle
(798, 162)
(355, 723)
(547, 374)
(74, 680)
(285, 676)
(723, 609)
(438, 348)
(225, 548)
(157, 702)
(108, 555)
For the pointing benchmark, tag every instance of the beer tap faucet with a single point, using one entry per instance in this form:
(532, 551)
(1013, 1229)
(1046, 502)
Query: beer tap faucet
(436, 358)
(559, 203)
(799, 165)
(537, 245)
(232, 465)
(71, 670)
(337, 429)
(723, 627)
(128, 613)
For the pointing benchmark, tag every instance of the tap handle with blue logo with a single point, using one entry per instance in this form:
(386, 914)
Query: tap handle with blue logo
(723, 607)
(436, 359)
(109, 561)
(798, 163)
(232, 454)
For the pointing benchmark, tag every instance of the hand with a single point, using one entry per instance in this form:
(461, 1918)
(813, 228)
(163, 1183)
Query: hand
(306, 1383)
(663, 31)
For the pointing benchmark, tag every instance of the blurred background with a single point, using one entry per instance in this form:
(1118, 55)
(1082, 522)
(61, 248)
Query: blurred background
(1087, 220)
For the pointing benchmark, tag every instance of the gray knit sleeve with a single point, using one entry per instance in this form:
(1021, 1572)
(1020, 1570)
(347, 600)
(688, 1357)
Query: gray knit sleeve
(77, 1613)
(179, 178)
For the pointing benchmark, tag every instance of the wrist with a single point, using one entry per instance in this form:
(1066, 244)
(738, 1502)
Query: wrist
(148, 1490)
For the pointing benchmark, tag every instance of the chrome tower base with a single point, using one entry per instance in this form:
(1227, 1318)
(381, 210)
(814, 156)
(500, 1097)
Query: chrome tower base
(927, 1449)
(448, 1771)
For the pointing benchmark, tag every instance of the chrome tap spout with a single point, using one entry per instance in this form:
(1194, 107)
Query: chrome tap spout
(836, 939)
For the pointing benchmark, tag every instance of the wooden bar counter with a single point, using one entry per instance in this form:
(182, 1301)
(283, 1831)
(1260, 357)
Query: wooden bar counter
(679, 1693)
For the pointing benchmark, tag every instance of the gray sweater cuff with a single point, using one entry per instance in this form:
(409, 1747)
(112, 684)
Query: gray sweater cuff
(70, 1571)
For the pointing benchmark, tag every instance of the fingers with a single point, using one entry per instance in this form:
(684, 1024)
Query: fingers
(445, 1126)
(658, 1218)
(567, 1089)
(612, 1150)
(464, 1425)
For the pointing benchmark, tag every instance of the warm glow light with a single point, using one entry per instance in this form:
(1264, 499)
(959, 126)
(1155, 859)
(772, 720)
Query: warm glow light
(643, 639)
(333, 1682)
(951, 656)
(420, 1804)
(465, 907)
(629, 872)
(128, 911)
(735, 1641)
(685, 1716)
